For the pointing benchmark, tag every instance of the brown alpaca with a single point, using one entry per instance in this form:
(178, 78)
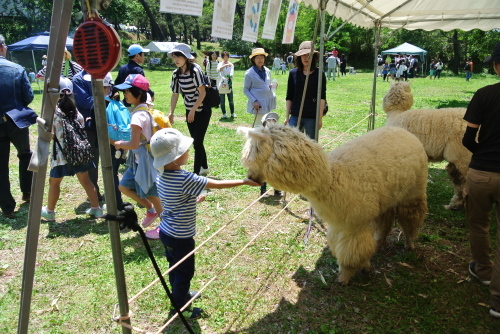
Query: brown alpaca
(439, 130)
(357, 189)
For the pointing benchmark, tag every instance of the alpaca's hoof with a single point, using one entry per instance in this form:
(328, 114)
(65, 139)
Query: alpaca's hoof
(454, 207)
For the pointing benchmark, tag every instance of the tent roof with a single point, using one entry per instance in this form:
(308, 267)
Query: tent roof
(428, 15)
(161, 46)
(36, 43)
(407, 48)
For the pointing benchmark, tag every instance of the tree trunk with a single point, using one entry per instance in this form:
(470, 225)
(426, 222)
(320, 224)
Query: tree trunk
(456, 53)
(197, 35)
(156, 32)
(185, 37)
(171, 29)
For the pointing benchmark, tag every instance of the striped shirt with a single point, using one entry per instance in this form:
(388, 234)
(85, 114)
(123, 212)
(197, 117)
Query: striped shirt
(212, 71)
(187, 84)
(178, 190)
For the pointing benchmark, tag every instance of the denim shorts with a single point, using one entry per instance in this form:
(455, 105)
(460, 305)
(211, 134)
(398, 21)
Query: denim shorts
(70, 170)
(128, 181)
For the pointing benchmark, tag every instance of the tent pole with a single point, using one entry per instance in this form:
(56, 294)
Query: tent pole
(34, 63)
(61, 14)
(321, 66)
(371, 119)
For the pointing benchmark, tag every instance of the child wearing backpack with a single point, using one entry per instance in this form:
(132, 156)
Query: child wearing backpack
(71, 153)
(139, 181)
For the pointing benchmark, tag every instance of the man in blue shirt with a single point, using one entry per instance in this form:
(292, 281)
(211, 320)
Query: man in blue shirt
(16, 91)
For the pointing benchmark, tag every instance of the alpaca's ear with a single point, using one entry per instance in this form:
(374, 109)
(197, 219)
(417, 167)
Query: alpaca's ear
(409, 82)
(255, 133)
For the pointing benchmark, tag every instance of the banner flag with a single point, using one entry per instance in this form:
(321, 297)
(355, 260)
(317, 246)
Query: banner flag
(272, 16)
(185, 7)
(291, 20)
(252, 18)
(223, 19)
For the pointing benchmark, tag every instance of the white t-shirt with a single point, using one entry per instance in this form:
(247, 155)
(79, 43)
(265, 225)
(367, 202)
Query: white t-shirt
(143, 120)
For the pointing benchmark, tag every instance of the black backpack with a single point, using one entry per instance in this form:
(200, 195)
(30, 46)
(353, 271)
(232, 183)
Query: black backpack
(212, 93)
(467, 66)
(77, 149)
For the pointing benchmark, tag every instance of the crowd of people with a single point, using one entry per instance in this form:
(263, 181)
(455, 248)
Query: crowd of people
(154, 177)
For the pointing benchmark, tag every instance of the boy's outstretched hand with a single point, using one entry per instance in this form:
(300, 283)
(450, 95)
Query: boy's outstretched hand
(249, 182)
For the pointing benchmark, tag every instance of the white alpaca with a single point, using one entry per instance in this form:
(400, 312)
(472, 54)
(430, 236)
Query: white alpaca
(357, 189)
(439, 130)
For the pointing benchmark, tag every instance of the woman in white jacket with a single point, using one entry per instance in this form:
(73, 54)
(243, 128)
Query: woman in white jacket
(225, 84)
(257, 87)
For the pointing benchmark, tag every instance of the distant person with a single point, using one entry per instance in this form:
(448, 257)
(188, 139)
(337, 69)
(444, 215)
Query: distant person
(469, 67)
(226, 73)
(439, 69)
(257, 87)
(380, 65)
(335, 52)
(44, 60)
(432, 68)
(16, 92)
(277, 64)
(482, 138)
(343, 65)
(136, 57)
(212, 72)
(32, 75)
(331, 63)
(69, 68)
(66, 110)
(290, 61)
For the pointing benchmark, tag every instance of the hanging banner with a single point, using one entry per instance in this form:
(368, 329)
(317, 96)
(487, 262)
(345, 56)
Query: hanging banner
(185, 7)
(291, 20)
(272, 16)
(222, 23)
(252, 19)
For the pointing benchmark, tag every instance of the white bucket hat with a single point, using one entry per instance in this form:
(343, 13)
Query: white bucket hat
(182, 48)
(167, 145)
(270, 115)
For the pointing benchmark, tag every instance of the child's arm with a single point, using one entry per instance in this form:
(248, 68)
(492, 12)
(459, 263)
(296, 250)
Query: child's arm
(221, 184)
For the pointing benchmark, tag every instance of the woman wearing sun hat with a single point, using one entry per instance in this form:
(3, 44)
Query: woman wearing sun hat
(295, 89)
(257, 87)
(189, 81)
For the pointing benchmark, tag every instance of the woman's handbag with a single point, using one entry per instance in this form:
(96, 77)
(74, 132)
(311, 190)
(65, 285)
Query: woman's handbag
(224, 86)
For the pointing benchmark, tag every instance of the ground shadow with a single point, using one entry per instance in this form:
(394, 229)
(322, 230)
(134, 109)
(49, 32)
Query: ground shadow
(76, 227)
(20, 219)
(451, 104)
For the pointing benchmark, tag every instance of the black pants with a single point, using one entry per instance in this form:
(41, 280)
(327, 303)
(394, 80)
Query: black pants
(10, 133)
(197, 130)
(116, 165)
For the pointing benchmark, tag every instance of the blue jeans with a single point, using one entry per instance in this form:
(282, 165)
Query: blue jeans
(180, 277)
(468, 75)
(223, 102)
(307, 125)
(10, 133)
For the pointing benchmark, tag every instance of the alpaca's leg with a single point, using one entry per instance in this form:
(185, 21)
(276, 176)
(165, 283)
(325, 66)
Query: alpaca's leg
(457, 176)
(353, 251)
(383, 225)
(411, 217)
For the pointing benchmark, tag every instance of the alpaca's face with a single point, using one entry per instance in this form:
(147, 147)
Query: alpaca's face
(398, 98)
(255, 153)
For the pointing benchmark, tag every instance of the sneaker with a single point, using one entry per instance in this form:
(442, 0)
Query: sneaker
(49, 216)
(191, 294)
(97, 213)
(153, 234)
(234, 116)
(26, 197)
(224, 116)
(149, 219)
(494, 312)
(204, 172)
(194, 313)
(472, 271)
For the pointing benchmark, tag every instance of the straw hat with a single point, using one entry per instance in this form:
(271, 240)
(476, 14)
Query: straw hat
(258, 52)
(305, 48)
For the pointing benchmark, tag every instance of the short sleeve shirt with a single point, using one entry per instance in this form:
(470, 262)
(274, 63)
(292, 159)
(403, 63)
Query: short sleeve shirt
(187, 84)
(178, 190)
(143, 120)
(484, 110)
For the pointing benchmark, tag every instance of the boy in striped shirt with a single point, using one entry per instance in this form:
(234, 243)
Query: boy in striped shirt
(179, 192)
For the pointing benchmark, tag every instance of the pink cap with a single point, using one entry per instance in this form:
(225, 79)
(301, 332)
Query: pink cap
(134, 80)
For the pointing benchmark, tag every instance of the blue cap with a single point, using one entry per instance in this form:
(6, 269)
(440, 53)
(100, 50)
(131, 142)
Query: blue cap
(135, 49)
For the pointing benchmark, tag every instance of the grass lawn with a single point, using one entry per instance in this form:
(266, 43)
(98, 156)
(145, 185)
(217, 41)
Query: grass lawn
(278, 284)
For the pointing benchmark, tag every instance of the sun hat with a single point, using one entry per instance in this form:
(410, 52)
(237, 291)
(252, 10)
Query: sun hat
(258, 52)
(135, 49)
(270, 115)
(495, 54)
(305, 48)
(106, 82)
(134, 80)
(65, 84)
(182, 48)
(167, 145)
(44, 56)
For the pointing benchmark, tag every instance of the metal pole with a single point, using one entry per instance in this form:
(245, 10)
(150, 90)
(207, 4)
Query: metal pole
(111, 206)
(59, 27)
(321, 65)
(371, 119)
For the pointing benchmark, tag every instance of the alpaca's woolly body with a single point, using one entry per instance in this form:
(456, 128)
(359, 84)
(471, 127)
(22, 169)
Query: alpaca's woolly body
(439, 130)
(357, 188)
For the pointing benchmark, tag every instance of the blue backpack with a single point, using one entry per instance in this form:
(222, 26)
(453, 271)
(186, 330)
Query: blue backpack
(118, 121)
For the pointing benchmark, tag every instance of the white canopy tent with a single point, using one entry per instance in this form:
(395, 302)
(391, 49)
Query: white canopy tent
(428, 15)
(161, 46)
(406, 48)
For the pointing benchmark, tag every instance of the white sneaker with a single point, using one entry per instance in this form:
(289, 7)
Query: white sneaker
(204, 172)
(224, 116)
(234, 116)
